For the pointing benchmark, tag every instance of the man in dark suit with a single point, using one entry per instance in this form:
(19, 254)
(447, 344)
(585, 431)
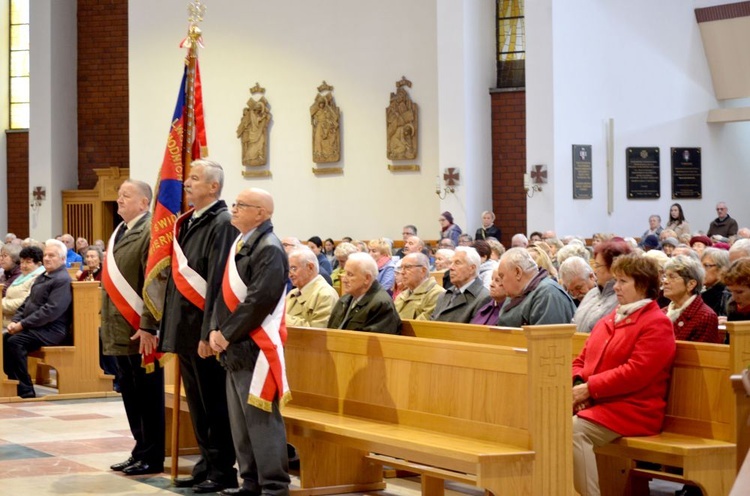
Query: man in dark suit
(247, 328)
(42, 320)
(202, 238)
(129, 330)
(365, 305)
(467, 295)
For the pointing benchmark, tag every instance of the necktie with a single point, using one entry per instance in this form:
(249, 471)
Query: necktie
(453, 297)
(240, 244)
(120, 232)
(346, 316)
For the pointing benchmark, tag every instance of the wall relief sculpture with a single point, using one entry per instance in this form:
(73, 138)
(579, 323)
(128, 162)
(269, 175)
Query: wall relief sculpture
(253, 128)
(326, 132)
(402, 124)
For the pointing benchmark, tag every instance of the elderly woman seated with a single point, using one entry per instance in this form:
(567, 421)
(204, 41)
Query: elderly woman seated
(380, 251)
(715, 294)
(693, 320)
(488, 314)
(621, 376)
(10, 261)
(17, 291)
(93, 258)
(602, 299)
(534, 297)
(737, 279)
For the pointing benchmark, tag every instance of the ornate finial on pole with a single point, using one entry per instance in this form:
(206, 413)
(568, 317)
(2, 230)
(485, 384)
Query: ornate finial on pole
(196, 11)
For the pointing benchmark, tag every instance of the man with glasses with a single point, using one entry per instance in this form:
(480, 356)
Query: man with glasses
(421, 293)
(310, 303)
(723, 225)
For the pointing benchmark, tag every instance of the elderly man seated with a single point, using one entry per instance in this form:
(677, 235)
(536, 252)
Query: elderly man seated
(310, 303)
(534, 298)
(467, 294)
(421, 293)
(365, 305)
(577, 277)
(42, 320)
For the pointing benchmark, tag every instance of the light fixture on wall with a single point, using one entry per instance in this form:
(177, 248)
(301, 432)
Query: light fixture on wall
(451, 178)
(38, 194)
(532, 182)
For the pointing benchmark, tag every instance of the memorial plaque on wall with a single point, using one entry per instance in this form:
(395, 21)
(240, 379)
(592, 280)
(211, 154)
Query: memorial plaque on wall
(686, 173)
(642, 169)
(582, 189)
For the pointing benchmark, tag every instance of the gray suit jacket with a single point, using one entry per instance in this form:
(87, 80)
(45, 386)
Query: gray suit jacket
(464, 306)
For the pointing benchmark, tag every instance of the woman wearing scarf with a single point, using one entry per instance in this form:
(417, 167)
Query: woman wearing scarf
(622, 375)
(380, 251)
(693, 320)
(17, 291)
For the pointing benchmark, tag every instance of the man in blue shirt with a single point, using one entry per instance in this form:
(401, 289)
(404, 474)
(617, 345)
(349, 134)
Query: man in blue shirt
(70, 244)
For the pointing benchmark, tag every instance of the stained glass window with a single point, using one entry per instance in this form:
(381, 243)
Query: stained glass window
(19, 64)
(511, 44)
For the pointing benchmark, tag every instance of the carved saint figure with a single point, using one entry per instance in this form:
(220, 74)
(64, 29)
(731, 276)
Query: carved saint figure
(324, 116)
(253, 131)
(402, 124)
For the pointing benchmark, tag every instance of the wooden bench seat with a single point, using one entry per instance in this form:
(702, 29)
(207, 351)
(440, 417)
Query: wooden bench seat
(434, 407)
(706, 434)
(77, 365)
(703, 428)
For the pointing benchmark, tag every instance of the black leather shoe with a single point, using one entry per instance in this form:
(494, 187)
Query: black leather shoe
(141, 468)
(209, 486)
(119, 467)
(187, 481)
(239, 491)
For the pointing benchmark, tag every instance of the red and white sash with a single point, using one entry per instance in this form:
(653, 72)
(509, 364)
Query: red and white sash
(127, 301)
(189, 283)
(269, 377)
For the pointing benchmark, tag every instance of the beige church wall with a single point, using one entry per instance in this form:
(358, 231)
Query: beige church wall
(290, 47)
(4, 66)
(642, 64)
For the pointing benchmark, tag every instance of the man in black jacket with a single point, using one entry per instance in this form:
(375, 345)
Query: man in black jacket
(42, 320)
(202, 238)
(247, 329)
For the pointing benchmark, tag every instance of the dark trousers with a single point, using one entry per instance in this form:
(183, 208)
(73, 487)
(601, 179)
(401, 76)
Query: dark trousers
(16, 348)
(205, 388)
(143, 398)
(259, 439)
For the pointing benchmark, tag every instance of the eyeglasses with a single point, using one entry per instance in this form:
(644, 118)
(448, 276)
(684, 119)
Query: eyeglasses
(408, 266)
(709, 266)
(242, 206)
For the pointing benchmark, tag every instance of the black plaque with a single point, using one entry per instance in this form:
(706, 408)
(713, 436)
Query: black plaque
(582, 189)
(643, 177)
(686, 173)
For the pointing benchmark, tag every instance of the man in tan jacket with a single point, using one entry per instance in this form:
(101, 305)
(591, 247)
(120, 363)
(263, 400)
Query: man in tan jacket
(419, 298)
(310, 303)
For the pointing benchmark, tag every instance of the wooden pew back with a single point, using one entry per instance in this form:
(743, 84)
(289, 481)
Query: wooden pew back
(447, 387)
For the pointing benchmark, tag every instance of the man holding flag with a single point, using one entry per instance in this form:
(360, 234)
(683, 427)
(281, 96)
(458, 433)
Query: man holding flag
(248, 329)
(201, 242)
(129, 329)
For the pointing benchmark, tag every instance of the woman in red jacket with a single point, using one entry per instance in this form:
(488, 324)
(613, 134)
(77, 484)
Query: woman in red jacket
(621, 376)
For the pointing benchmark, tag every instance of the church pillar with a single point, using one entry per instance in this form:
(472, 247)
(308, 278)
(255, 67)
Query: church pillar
(53, 137)
(540, 123)
(466, 72)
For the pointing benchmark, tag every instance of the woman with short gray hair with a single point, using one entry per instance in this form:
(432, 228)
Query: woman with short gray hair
(715, 294)
(692, 319)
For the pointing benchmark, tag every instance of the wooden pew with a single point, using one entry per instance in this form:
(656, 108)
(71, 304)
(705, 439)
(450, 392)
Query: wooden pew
(435, 407)
(7, 386)
(701, 406)
(705, 425)
(471, 333)
(77, 364)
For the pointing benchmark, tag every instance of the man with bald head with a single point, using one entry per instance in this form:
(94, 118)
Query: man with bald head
(310, 303)
(245, 330)
(72, 255)
(421, 293)
(467, 294)
(365, 305)
(535, 298)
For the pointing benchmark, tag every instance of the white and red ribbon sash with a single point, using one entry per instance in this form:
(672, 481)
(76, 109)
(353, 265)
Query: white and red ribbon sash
(127, 301)
(189, 283)
(269, 377)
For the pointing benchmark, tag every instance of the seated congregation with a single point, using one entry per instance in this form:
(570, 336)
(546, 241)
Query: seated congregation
(649, 330)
